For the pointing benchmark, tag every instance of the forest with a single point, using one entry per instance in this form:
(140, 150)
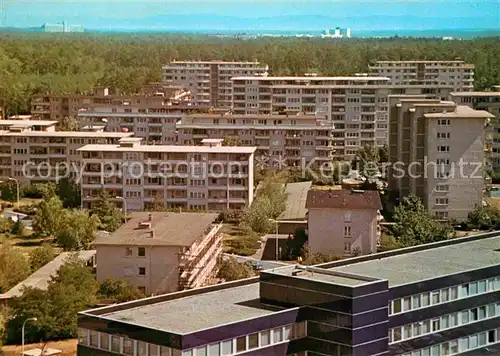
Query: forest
(31, 64)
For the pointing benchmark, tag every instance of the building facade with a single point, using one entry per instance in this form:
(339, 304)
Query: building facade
(428, 300)
(457, 74)
(161, 252)
(209, 81)
(33, 152)
(153, 99)
(343, 222)
(436, 150)
(489, 101)
(209, 177)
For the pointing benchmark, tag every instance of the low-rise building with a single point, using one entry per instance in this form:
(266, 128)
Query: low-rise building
(433, 299)
(208, 177)
(343, 222)
(161, 252)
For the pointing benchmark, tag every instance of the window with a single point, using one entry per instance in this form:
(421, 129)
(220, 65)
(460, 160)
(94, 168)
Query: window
(347, 230)
(436, 325)
(187, 353)
(128, 251)
(465, 317)
(128, 346)
(83, 336)
(141, 252)
(142, 348)
(481, 286)
(426, 326)
(241, 344)
(445, 295)
(473, 341)
(443, 135)
(417, 329)
(491, 310)
(425, 299)
(435, 298)
(265, 338)
(115, 343)
(474, 314)
(396, 305)
(406, 303)
(347, 247)
(491, 336)
(277, 335)
(227, 347)
(464, 290)
(482, 338)
(445, 322)
(416, 301)
(453, 293)
(214, 349)
(407, 332)
(253, 341)
(299, 330)
(397, 334)
(482, 312)
(104, 341)
(201, 351)
(443, 148)
(463, 343)
(142, 271)
(94, 338)
(473, 288)
(347, 216)
(286, 332)
(454, 319)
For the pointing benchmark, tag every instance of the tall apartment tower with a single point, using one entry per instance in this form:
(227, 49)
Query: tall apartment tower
(489, 101)
(457, 74)
(209, 81)
(436, 153)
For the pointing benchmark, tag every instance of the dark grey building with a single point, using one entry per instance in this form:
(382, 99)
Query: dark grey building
(439, 299)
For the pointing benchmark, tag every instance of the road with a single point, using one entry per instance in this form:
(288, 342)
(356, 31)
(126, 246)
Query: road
(264, 264)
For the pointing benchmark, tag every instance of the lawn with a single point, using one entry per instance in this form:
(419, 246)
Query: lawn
(68, 347)
(239, 241)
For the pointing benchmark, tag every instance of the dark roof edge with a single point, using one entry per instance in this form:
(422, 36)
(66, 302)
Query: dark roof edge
(170, 296)
(402, 251)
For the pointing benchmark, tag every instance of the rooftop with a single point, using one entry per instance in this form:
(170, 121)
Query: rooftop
(197, 312)
(252, 116)
(430, 263)
(92, 134)
(461, 111)
(165, 148)
(314, 79)
(170, 229)
(214, 62)
(343, 199)
(476, 93)
(423, 61)
(42, 276)
(27, 122)
(296, 201)
(127, 114)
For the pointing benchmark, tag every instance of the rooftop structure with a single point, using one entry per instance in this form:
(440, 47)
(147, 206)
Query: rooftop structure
(343, 199)
(388, 303)
(296, 201)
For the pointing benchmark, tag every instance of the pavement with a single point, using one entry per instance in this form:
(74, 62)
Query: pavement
(265, 264)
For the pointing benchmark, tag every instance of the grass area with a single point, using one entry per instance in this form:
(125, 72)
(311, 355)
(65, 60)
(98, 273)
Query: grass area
(68, 347)
(494, 202)
(239, 241)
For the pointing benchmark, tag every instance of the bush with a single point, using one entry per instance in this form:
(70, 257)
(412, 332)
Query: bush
(17, 228)
(5, 225)
(244, 245)
(119, 291)
(231, 216)
(231, 270)
(41, 255)
(26, 209)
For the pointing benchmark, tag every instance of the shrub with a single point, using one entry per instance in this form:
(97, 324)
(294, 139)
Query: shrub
(231, 270)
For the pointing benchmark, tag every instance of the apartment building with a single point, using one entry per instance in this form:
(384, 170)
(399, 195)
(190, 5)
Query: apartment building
(343, 222)
(153, 128)
(427, 300)
(489, 101)
(457, 73)
(209, 81)
(161, 252)
(33, 152)
(153, 98)
(436, 150)
(357, 106)
(209, 177)
(281, 140)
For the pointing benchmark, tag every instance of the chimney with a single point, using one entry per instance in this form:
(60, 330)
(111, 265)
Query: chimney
(150, 217)
(152, 234)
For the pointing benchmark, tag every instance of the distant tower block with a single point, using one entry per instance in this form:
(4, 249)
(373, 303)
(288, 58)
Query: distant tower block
(3, 14)
(348, 33)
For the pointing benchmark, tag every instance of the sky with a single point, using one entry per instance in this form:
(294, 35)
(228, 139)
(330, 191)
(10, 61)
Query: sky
(26, 13)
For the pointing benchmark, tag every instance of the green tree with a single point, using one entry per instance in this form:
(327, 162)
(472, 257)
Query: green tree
(483, 218)
(110, 216)
(69, 193)
(41, 255)
(366, 162)
(69, 124)
(18, 228)
(77, 230)
(8, 190)
(119, 291)
(158, 203)
(49, 217)
(383, 154)
(231, 270)
(414, 226)
(232, 141)
(14, 267)
(73, 289)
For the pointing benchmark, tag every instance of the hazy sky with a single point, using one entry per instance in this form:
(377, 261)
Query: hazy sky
(36, 12)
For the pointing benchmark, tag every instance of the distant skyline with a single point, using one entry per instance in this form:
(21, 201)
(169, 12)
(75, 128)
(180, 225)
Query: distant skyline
(310, 15)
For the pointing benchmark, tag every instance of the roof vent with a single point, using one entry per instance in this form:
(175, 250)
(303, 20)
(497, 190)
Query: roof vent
(152, 234)
(358, 191)
(150, 217)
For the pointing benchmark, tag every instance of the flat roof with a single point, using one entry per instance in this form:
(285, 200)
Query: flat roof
(40, 279)
(475, 93)
(253, 116)
(27, 122)
(215, 61)
(166, 148)
(296, 196)
(96, 134)
(127, 114)
(430, 263)
(423, 61)
(461, 111)
(171, 229)
(198, 312)
(313, 79)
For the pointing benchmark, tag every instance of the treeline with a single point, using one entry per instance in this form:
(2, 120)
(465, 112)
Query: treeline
(39, 63)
